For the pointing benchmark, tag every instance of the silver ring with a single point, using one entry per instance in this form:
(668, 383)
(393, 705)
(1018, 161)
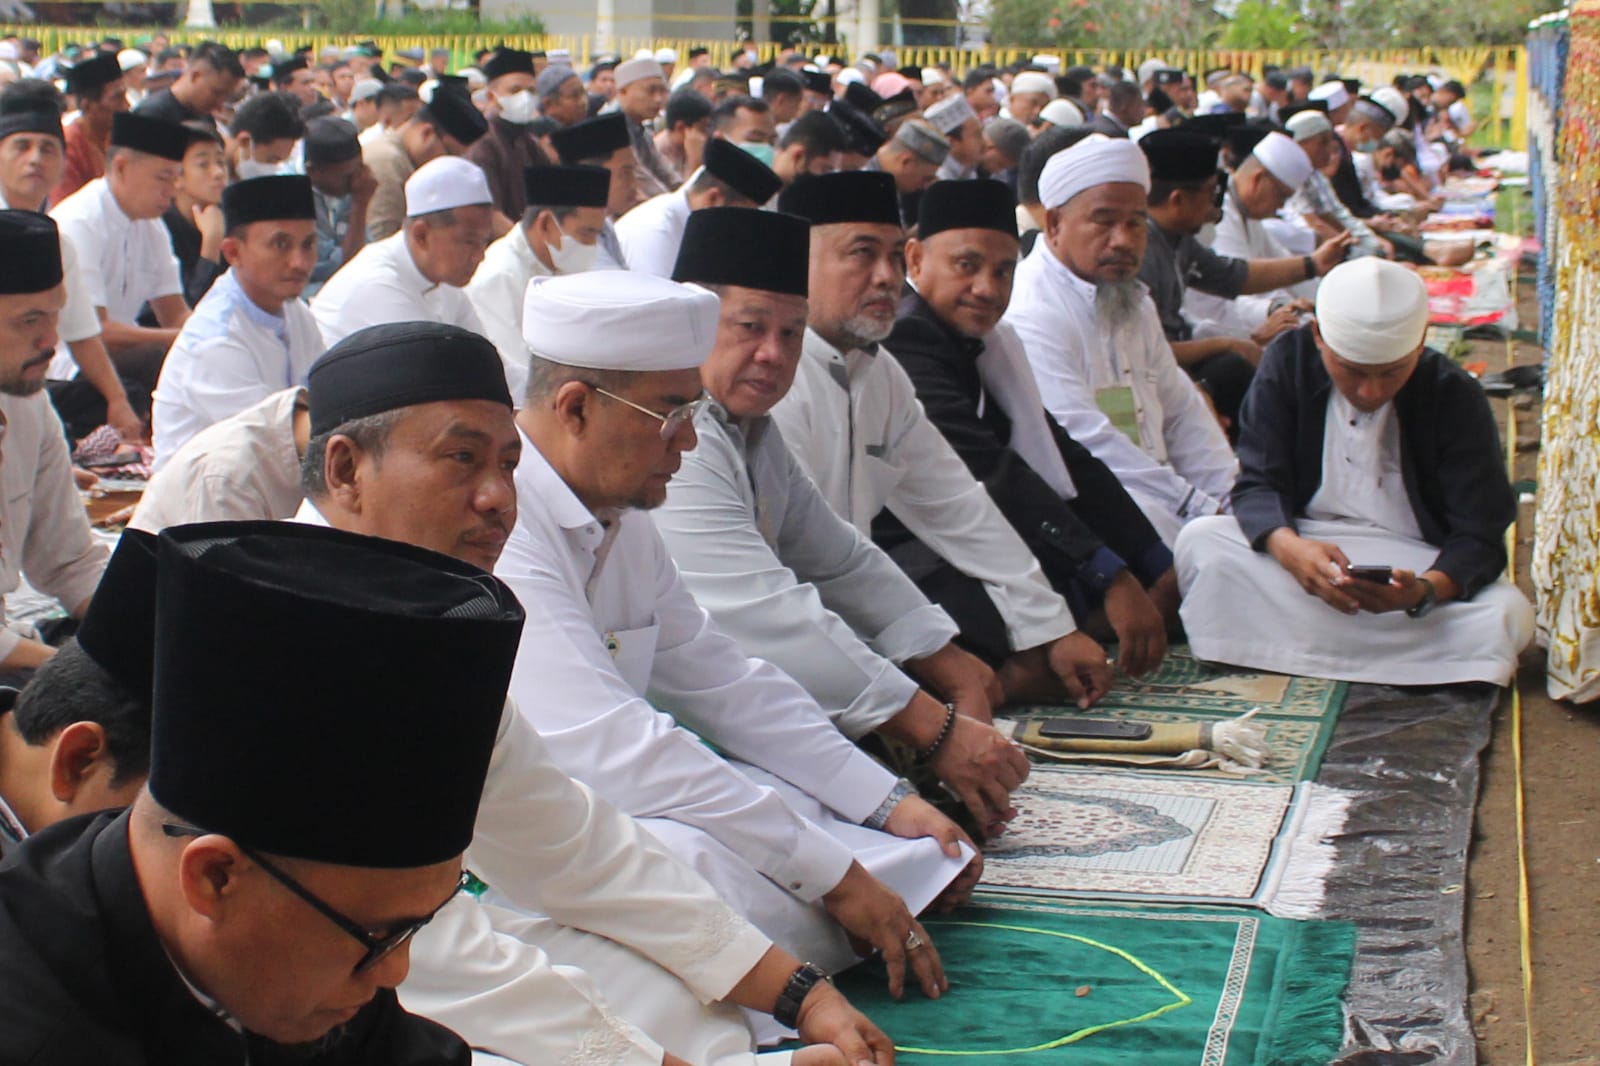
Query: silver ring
(915, 942)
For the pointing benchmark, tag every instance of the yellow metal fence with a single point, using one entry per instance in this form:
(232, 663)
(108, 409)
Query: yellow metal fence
(1504, 68)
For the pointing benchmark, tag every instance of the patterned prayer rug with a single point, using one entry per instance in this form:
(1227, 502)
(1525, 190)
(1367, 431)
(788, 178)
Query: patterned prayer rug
(1298, 712)
(1042, 983)
(1120, 834)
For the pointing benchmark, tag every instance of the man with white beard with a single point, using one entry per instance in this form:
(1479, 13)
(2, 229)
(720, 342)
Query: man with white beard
(1094, 339)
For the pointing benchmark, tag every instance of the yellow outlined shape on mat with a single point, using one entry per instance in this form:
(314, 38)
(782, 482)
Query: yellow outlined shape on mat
(1182, 1001)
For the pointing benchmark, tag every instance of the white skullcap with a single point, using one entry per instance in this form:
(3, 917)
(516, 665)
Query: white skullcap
(1148, 69)
(1063, 112)
(1393, 101)
(131, 59)
(365, 89)
(1031, 81)
(1371, 311)
(444, 183)
(559, 55)
(1049, 63)
(1333, 92)
(274, 48)
(823, 62)
(619, 320)
(850, 75)
(644, 53)
(1095, 160)
(665, 55)
(932, 76)
(638, 70)
(1284, 159)
(1304, 125)
(475, 77)
(950, 114)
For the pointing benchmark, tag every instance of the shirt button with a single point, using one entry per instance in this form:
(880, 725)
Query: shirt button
(794, 886)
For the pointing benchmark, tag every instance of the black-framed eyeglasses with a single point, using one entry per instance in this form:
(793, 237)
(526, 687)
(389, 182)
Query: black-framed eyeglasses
(378, 946)
(673, 420)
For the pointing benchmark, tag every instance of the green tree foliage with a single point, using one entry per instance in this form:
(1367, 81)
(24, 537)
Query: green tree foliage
(1265, 24)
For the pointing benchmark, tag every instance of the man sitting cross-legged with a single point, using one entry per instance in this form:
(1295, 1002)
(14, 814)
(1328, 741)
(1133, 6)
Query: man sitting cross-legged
(1371, 508)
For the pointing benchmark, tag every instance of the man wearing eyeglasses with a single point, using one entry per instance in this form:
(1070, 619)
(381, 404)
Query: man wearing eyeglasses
(612, 944)
(617, 647)
(254, 904)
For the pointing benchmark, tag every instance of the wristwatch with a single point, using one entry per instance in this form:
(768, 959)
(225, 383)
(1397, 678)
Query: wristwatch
(1430, 600)
(801, 982)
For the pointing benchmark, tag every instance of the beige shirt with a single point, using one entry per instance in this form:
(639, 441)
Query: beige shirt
(243, 467)
(386, 158)
(44, 531)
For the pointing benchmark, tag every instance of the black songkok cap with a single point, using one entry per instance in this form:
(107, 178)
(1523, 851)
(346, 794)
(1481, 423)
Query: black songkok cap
(864, 196)
(594, 138)
(900, 104)
(89, 75)
(398, 364)
(157, 137)
(119, 628)
(1179, 155)
(452, 110)
(1288, 112)
(862, 98)
(1242, 139)
(1158, 101)
(282, 72)
(1169, 77)
(330, 141)
(33, 121)
(273, 198)
(745, 246)
(324, 695)
(741, 171)
(978, 203)
(1216, 127)
(32, 262)
(458, 82)
(862, 134)
(567, 186)
(818, 81)
(507, 61)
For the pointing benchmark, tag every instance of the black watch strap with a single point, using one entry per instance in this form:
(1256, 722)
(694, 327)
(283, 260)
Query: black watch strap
(801, 982)
(1430, 599)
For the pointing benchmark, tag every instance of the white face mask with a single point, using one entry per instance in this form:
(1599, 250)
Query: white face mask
(572, 256)
(248, 167)
(519, 109)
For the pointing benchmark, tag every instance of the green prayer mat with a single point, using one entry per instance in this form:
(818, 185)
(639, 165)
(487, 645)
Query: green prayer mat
(1299, 712)
(1040, 983)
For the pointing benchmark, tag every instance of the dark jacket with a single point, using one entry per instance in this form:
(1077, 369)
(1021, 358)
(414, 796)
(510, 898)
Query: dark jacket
(84, 980)
(197, 271)
(1089, 539)
(1450, 456)
(1347, 185)
(504, 152)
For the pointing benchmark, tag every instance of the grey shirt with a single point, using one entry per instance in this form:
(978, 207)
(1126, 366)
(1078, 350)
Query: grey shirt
(1173, 262)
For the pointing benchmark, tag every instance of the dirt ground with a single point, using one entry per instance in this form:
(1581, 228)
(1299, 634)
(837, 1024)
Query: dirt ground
(1561, 748)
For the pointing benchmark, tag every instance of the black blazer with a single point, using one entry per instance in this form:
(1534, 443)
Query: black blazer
(84, 980)
(1090, 538)
(1450, 456)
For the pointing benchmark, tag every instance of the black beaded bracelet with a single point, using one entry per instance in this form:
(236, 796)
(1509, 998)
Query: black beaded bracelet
(1311, 266)
(944, 732)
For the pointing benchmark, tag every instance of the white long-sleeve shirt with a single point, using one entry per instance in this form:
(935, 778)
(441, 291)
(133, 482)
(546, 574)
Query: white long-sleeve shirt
(854, 423)
(496, 291)
(761, 550)
(230, 355)
(546, 844)
(651, 233)
(1239, 236)
(44, 532)
(608, 621)
(121, 262)
(382, 284)
(1181, 467)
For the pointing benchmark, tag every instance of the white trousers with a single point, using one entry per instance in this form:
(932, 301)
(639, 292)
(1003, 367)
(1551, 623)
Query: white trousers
(1241, 607)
